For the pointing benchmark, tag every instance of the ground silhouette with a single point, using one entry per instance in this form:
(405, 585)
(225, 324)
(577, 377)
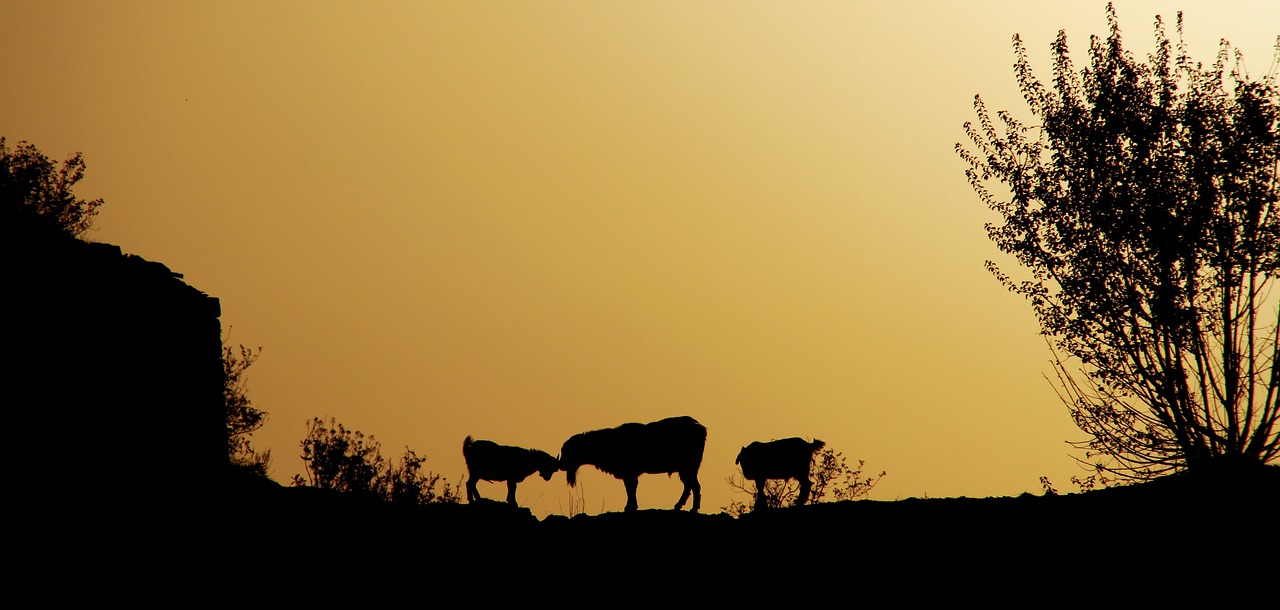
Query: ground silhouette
(1149, 529)
(123, 491)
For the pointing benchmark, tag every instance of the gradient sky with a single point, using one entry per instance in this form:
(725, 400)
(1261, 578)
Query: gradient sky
(524, 220)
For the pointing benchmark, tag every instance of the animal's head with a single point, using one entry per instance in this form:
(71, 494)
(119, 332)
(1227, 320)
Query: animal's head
(738, 460)
(548, 465)
(572, 456)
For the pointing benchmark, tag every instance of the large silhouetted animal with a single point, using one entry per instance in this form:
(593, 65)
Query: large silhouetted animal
(672, 445)
(788, 458)
(489, 461)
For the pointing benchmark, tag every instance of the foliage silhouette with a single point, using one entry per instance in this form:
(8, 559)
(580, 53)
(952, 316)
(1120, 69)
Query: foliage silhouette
(243, 419)
(833, 480)
(1142, 201)
(350, 462)
(406, 483)
(35, 192)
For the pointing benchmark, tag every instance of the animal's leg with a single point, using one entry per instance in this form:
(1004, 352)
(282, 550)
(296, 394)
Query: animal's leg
(690, 486)
(473, 494)
(760, 501)
(805, 484)
(697, 494)
(631, 483)
(511, 492)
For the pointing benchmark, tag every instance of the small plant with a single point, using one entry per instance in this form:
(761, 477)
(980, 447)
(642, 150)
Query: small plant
(1096, 481)
(351, 462)
(243, 419)
(406, 483)
(577, 503)
(340, 459)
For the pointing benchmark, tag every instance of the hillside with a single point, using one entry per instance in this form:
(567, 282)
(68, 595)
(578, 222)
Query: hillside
(133, 495)
(1046, 539)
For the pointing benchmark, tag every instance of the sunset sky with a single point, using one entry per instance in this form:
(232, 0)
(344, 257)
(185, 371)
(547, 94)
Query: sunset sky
(521, 220)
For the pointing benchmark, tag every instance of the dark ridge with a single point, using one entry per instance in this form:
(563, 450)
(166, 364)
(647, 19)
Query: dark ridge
(126, 485)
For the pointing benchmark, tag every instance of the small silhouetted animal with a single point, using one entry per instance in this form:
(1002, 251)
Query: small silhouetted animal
(672, 445)
(788, 458)
(489, 461)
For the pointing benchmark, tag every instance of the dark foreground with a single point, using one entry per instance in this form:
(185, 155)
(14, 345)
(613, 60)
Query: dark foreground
(1181, 533)
(991, 538)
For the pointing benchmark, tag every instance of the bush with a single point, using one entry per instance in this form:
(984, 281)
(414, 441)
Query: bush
(351, 462)
(243, 419)
(35, 192)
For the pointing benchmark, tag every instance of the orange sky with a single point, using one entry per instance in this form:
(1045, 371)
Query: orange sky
(524, 220)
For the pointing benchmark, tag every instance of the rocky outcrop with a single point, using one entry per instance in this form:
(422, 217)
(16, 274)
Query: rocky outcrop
(115, 375)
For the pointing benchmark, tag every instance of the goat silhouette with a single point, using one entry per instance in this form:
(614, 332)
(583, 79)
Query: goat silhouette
(489, 461)
(672, 445)
(788, 458)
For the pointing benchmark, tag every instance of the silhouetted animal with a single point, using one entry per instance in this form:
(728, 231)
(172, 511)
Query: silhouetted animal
(489, 461)
(672, 445)
(788, 458)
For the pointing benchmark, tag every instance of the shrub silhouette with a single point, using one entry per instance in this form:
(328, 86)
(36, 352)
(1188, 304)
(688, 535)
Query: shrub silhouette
(35, 192)
(243, 419)
(350, 462)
